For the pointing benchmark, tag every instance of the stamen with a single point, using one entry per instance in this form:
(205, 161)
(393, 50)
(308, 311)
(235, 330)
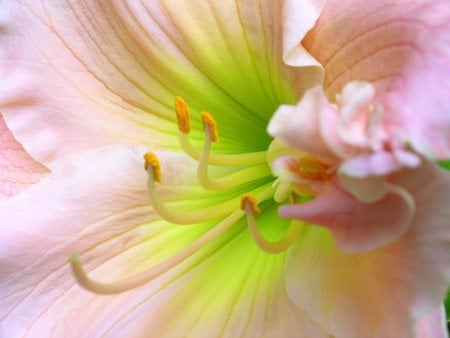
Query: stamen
(155, 271)
(184, 126)
(184, 120)
(250, 207)
(243, 176)
(210, 127)
(180, 217)
(225, 160)
(282, 192)
(240, 177)
(187, 217)
(152, 166)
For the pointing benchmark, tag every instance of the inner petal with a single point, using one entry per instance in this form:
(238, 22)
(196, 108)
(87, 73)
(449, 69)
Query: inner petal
(120, 64)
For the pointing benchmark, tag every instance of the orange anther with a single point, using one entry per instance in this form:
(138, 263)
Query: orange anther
(210, 126)
(183, 118)
(152, 163)
(249, 201)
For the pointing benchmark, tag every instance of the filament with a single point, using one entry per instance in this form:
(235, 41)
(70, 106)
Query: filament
(155, 271)
(240, 177)
(153, 168)
(158, 269)
(222, 159)
(186, 217)
(250, 208)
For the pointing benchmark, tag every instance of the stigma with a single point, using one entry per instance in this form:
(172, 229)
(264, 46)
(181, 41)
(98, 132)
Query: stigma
(242, 169)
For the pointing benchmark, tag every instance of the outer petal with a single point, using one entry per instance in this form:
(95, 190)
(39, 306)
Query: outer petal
(17, 169)
(390, 287)
(77, 75)
(96, 204)
(433, 325)
(403, 48)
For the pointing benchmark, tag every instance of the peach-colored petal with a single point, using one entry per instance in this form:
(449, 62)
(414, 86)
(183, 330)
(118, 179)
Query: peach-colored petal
(378, 41)
(433, 325)
(391, 287)
(96, 204)
(17, 169)
(79, 75)
(299, 18)
(402, 47)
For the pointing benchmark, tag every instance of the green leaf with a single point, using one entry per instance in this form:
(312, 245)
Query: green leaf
(447, 306)
(444, 164)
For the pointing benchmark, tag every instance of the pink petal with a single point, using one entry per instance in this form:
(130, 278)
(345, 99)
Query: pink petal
(96, 204)
(379, 163)
(355, 101)
(378, 41)
(299, 126)
(356, 226)
(17, 169)
(78, 75)
(402, 47)
(386, 291)
(422, 116)
(433, 325)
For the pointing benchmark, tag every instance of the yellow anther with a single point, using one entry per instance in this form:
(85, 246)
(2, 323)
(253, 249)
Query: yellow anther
(152, 162)
(310, 167)
(249, 201)
(210, 126)
(182, 110)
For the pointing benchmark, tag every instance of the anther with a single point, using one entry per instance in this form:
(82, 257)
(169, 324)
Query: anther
(152, 166)
(210, 126)
(248, 203)
(183, 118)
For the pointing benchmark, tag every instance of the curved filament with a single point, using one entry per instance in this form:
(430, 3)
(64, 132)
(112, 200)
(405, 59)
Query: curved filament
(155, 271)
(222, 159)
(248, 205)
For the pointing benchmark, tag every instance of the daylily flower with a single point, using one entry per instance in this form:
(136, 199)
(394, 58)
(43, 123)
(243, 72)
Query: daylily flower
(88, 89)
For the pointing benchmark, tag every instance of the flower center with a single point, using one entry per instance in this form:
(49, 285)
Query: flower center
(245, 168)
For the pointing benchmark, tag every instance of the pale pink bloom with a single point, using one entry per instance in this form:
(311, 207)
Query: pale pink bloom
(87, 88)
